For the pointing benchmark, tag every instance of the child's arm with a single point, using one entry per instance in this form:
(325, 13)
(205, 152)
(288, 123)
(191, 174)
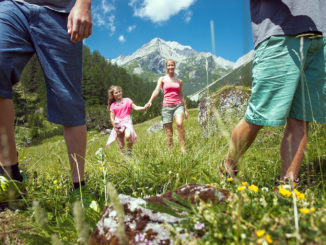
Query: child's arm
(112, 117)
(138, 108)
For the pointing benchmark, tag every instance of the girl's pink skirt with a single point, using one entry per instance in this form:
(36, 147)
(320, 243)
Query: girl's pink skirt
(122, 124)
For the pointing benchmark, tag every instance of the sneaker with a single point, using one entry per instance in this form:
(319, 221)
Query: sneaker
(12, 189)
(86, 197)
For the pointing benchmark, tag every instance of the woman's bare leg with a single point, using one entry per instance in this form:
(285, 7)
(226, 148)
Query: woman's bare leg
(169, 134)
(181, 132)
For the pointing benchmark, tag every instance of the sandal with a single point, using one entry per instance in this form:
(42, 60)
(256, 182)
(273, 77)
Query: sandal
(286, 181)
(225, 172)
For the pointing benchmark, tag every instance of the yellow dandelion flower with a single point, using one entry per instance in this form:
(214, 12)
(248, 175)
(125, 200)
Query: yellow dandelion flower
(241, 188)
(299, 195)
(100, 168)
(285, 192)
(58, 187)
(37, 182)
(304, 210)
(230, 179)
(55, 182)
(307, 210)
(244, 183)
(260, 233)
(253, 188)
(268, 239)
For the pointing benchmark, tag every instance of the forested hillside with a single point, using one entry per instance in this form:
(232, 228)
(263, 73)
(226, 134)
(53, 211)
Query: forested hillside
(98, 75)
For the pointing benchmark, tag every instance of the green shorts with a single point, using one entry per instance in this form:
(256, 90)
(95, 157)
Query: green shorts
(287, 82)
(168, 113)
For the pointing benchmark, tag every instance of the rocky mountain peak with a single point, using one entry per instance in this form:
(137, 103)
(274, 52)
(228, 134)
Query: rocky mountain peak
(149, 62)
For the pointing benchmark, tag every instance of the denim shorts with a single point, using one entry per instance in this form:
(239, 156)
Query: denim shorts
(168, 113)
(288, 80)
(26, 29)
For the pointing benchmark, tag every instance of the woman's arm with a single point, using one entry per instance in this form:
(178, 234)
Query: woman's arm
(183, 100)
(155, 92)
(138, 108)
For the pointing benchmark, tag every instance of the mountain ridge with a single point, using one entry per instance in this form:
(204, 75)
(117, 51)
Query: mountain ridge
(195, 68)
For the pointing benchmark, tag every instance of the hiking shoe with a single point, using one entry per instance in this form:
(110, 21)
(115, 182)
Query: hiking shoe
(86, 197)
(12, 189)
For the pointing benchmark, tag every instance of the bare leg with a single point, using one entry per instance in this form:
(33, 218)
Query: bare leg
(243, 135)
(181, 132)
(8, 152)
(128, 139)
(75, 137)
(121, 142)
(169, 134)
(293, 145)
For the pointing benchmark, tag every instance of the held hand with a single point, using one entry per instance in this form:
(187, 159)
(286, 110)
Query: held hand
(80, 21)
(186, 114)
(148, 105)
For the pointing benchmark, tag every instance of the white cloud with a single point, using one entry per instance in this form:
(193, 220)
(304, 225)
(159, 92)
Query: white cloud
(108, 7)
(188, 16)
(131, 28)
(159, 10)
(104, 15)
(122, 39)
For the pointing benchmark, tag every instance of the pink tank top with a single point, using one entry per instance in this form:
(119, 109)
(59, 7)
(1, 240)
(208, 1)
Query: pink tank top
(171, 94)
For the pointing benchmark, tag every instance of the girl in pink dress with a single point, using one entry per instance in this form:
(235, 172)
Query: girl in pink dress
(120, 109)
(174, 106)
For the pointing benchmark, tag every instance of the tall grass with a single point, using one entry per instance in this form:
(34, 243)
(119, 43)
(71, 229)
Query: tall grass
(154, 169)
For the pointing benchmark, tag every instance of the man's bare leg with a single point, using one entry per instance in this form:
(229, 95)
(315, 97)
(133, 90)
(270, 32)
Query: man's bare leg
(293, 146)
(75, 137)
(8, 151)
(243, 135)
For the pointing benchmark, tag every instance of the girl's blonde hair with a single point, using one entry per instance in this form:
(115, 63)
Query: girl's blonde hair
(111, 98)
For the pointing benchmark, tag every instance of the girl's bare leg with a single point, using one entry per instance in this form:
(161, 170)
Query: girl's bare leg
(181, 132)
(121, 142)
(128, 139)
(169, 134)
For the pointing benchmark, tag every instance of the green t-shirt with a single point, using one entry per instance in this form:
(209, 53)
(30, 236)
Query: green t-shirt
(62, 6)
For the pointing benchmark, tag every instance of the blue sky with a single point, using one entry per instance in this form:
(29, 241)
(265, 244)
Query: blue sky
(120, 27)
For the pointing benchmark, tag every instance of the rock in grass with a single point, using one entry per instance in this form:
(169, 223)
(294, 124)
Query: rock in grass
(155, 127)
(146, 225)
(229, 103)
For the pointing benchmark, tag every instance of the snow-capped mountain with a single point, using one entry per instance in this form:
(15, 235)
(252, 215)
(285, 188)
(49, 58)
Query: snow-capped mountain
(191, 66)
(241, 75)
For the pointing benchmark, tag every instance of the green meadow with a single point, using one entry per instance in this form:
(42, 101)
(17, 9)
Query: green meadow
(256, 212)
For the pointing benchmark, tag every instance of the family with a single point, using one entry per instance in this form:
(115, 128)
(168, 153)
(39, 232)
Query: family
(288, 82)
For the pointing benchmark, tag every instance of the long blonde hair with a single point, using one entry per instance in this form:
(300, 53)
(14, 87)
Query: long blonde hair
(111, 98)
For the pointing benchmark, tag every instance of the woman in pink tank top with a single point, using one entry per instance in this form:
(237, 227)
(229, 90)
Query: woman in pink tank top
(173, 106)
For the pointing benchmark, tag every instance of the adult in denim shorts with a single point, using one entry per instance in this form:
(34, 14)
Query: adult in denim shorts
(289, 82)
(173, 106)
(54, 31)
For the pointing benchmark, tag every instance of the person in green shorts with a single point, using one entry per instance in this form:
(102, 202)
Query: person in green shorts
(288, 80)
